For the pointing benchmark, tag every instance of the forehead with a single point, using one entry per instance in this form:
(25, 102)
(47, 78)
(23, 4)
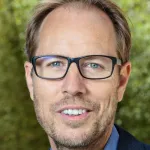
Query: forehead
(71, 28)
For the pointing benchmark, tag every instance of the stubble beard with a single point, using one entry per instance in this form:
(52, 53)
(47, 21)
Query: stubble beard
(88, 140)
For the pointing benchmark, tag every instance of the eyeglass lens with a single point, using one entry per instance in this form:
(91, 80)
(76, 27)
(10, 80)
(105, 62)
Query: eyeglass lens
(89, 66)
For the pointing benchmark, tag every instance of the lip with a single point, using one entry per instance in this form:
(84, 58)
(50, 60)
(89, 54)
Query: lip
(73, 107)
(71, 117)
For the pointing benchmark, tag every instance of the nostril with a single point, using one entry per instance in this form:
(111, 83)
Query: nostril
(73, 87)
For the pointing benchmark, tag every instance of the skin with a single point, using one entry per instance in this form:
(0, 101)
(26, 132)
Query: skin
(75, 32)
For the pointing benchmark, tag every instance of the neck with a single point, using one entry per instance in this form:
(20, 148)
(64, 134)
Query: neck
(98, 144)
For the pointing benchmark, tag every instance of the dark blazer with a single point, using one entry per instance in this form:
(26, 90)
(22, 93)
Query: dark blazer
(128, 142)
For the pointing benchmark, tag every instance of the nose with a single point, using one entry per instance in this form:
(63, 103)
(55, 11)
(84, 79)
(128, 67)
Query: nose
(73, 83)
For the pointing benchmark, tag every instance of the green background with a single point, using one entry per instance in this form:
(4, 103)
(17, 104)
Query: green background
(19, 129)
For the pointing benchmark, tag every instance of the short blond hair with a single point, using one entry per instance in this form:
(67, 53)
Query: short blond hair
(123, 34)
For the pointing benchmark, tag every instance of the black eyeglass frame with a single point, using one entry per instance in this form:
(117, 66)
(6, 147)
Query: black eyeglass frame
(75, 60)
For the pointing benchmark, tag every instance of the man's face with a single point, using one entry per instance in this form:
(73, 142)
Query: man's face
(74, 33)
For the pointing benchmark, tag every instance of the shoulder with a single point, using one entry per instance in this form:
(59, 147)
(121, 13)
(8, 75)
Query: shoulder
(129, 142)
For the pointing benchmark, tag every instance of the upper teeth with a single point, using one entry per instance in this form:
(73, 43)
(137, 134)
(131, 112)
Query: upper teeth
(74, 111)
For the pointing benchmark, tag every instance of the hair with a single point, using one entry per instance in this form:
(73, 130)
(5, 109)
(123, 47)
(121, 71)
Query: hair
(123, 34)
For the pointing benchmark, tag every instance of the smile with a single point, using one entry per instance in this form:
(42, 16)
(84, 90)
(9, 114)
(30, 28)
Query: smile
(74, 112)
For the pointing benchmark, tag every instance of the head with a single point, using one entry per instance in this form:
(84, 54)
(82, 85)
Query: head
(78, 109)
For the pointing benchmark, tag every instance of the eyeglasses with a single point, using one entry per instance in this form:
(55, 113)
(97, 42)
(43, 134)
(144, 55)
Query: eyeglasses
(91, 67)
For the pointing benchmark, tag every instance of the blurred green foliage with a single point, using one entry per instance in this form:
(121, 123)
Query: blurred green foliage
(19, 129)
(134, 112)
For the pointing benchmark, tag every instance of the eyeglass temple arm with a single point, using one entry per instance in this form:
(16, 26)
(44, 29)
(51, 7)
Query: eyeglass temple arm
(119, 62)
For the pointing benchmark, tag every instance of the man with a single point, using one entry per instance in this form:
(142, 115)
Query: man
(77, 72)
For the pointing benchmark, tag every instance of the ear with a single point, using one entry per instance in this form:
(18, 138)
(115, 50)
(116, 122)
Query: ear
(28, 75)
(124, 77)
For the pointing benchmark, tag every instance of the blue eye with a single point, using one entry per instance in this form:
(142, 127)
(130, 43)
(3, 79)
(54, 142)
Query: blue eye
(56, 64)
(94, 65)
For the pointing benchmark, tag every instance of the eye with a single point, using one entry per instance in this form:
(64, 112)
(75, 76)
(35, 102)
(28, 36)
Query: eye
(94, 65)
(91, 65)
(57, 63)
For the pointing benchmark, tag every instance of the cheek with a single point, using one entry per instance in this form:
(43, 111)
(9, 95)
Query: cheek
(45, 94)
(103, 92)
(101, 88)
(47, 90)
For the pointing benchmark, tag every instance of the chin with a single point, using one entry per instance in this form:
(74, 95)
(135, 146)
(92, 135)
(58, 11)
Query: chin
(73, 141)
(79, 137)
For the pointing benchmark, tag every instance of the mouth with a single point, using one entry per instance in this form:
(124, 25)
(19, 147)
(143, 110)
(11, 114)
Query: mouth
(74, 113)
